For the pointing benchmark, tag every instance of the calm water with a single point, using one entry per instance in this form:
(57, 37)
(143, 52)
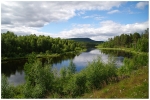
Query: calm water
(15, 73)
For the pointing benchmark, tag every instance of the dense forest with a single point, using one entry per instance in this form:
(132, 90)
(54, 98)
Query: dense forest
(20, 46)
(137, 41)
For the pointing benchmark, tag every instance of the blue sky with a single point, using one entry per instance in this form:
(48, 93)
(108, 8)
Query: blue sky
(94, 19)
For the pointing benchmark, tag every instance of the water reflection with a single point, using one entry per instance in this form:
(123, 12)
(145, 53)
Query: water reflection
(83, 59)
(11, 67)
(17, 78)
(15, 73)
(117, 53)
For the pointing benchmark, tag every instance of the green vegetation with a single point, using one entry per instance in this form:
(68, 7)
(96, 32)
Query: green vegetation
(136, 41)
(133, 87)
(44, 82)
(87, 42)
(97, 80)
(14, 46)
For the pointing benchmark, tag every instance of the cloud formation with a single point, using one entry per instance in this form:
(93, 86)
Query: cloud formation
(39, 13)
(106, 30)
(113, 11)
(28, 17)
(141, 5)
(95, 16)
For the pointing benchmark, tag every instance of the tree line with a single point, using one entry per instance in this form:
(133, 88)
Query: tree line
(138, 42)
(20, 46)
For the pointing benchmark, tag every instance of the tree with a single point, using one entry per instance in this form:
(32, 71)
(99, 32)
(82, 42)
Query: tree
(142, 45)
(71, 68)
(6, 89)
(136, 36)
(39, 79)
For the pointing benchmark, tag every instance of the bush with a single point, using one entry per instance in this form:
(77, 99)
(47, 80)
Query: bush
(39, 79)
(136, 62)
(6, 89)
(97, 72)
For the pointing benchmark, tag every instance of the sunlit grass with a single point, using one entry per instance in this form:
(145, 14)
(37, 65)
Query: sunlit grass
(131, 50)
(136, 86)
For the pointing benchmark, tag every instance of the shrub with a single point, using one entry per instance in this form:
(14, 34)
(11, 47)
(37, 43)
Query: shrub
(6, 89)
(39, 79)
(137, 61)
(97, 72)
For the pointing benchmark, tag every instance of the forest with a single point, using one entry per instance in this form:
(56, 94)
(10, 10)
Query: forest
(138, 42)
(21, 46)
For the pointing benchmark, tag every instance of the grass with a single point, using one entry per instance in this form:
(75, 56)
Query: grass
(124, 49)
(136, 86)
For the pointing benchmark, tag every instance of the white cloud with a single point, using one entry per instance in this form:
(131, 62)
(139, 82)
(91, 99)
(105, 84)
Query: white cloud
(37, 14)
(80, 13)
(95, 16)
(81, 25)
(106, 30)
(142, 4)
(113, 11)
(26, 17)
(22, 30)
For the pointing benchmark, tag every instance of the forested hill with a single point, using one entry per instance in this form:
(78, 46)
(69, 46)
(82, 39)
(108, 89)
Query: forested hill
(85, 40)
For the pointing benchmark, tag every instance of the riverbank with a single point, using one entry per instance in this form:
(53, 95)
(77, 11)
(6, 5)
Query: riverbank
(96, 77)
(44, 55)
(131, 87)
(131, 50)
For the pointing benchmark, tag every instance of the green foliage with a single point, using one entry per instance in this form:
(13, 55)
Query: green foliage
(20, 46)
(6, 89)
(75, 86)
(98, 72)
(137, 41)
(63, 72)
(136, 86)
(18, 91)
(135, 63)
(39, 79)
(71, 85)
(87, 42)
(142, 45)
(80, 81)
(71, 68)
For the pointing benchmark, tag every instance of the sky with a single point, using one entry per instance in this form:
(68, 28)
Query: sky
(97, 20)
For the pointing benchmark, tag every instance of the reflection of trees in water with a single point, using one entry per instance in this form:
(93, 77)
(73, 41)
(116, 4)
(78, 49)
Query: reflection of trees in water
(10, 67)
(58, 59)
(117, 53)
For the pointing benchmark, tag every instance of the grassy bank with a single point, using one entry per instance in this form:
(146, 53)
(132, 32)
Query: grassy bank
(136, 86)
(131, 50)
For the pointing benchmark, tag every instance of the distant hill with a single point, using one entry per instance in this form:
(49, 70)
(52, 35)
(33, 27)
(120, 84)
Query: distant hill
(85, 40)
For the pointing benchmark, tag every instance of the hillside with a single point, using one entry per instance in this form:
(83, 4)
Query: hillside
(85, 40)
(131, 87)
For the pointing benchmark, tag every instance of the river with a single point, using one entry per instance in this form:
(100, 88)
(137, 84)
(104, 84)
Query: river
(15, 73)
